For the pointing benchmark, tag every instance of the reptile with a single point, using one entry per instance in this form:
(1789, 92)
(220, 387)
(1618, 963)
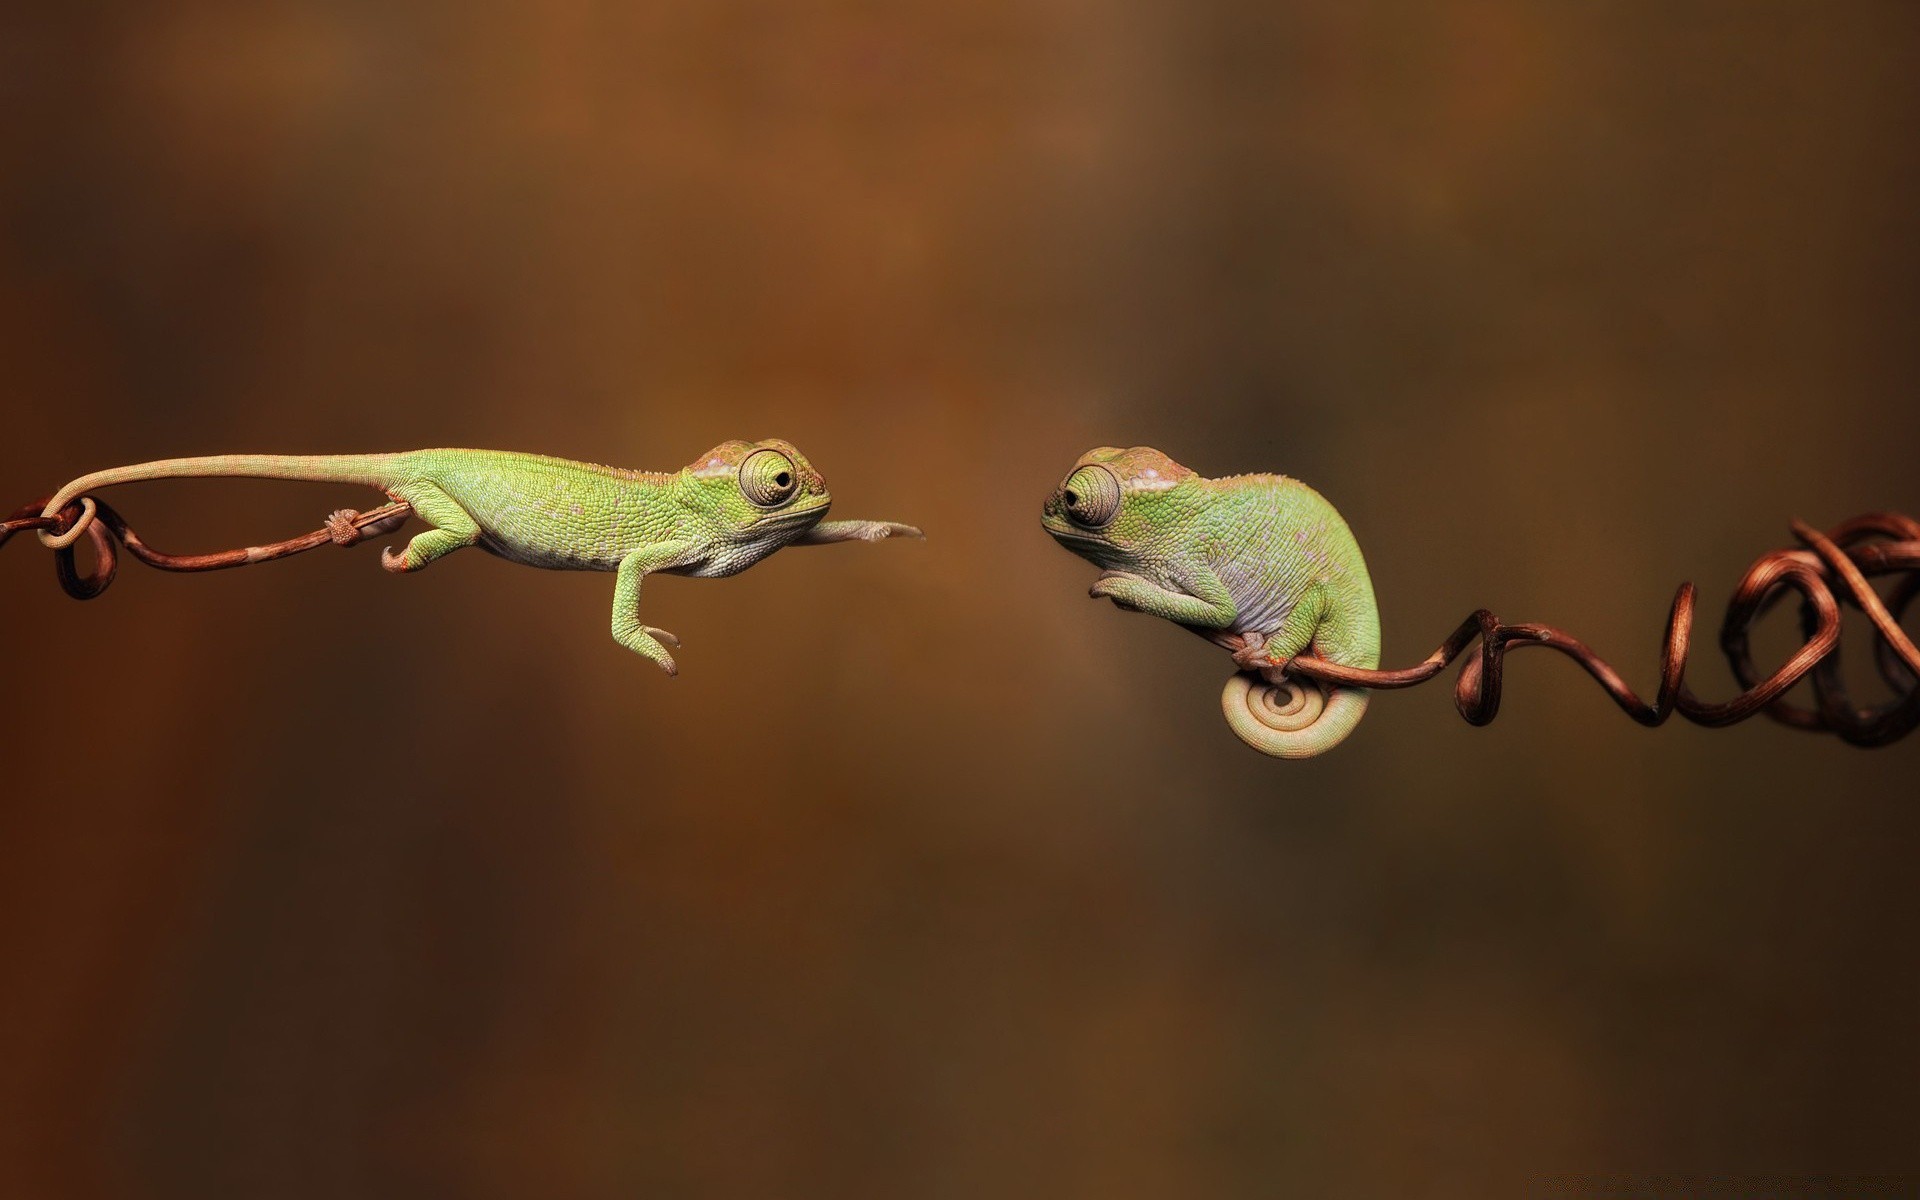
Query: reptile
(1260, 565)
(727, 510)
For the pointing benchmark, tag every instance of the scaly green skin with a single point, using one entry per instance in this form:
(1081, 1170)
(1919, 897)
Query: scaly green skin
(729, 509)
(1261, 565)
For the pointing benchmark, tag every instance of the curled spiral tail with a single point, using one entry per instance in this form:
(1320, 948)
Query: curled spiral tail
(1291, 718)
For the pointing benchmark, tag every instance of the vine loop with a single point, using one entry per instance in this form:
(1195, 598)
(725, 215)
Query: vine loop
(1832, 568)
(107, 532)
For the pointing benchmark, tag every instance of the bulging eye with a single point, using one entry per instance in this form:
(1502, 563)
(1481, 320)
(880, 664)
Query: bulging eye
(767, 478)
(1091, 496)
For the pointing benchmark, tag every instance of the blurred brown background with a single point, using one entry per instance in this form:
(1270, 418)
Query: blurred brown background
(929, 877)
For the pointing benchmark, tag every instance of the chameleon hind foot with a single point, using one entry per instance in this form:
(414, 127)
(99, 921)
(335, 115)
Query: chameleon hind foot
(422, 550)
(1251, 654)
(453, 528)
(342, 530)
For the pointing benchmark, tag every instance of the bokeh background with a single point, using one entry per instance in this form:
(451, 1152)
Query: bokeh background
(929, 877)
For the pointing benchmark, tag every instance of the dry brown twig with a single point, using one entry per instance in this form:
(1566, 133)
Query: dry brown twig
(1851, 553)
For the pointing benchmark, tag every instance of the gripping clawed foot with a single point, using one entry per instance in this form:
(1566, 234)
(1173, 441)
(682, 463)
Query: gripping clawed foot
(1252, 657)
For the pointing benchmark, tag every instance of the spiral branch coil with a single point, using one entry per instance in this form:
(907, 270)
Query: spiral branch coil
(1828, 569)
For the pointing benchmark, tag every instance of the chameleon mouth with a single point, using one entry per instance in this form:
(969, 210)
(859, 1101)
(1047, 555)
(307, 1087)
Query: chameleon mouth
(1067, 533)
(791, 517)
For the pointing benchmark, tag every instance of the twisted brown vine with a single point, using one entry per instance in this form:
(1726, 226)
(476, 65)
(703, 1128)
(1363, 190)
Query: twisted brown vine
(1870, 545)
(1854, 551)
(109, 532)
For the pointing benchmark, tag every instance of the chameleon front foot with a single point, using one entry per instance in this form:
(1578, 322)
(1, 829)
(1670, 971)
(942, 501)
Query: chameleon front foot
(856, 531)
(1208, 607)
(1116, 587)
(651, 644)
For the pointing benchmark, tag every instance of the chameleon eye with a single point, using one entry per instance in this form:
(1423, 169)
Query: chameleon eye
(1091, 496)
(767, 479)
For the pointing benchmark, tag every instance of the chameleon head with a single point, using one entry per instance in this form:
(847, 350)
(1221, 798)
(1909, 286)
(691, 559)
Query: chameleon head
(1116, 506)
(759, 490)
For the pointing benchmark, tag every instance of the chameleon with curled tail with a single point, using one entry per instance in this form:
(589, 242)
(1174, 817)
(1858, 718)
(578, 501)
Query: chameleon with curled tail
(727, 510)
(1260, 565)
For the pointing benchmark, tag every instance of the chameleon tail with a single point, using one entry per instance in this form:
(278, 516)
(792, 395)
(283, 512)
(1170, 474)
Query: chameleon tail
(1293, 718)
(373, 470)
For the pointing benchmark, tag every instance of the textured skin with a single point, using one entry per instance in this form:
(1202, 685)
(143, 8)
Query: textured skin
(1260, 565)
(566, 515)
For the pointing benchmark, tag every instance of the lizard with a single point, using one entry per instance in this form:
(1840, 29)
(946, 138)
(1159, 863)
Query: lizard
(1260, 565)
(725, 511)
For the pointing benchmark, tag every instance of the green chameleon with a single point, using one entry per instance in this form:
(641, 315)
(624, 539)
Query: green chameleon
(1261, 565)
(727, 510)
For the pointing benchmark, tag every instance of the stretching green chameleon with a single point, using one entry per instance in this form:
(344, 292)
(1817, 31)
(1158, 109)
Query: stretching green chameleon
(727, 510)
(1261, 565)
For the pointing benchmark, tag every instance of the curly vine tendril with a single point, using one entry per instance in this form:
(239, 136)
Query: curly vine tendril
(1871, 545)
(107, 532)
(1876, 544)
